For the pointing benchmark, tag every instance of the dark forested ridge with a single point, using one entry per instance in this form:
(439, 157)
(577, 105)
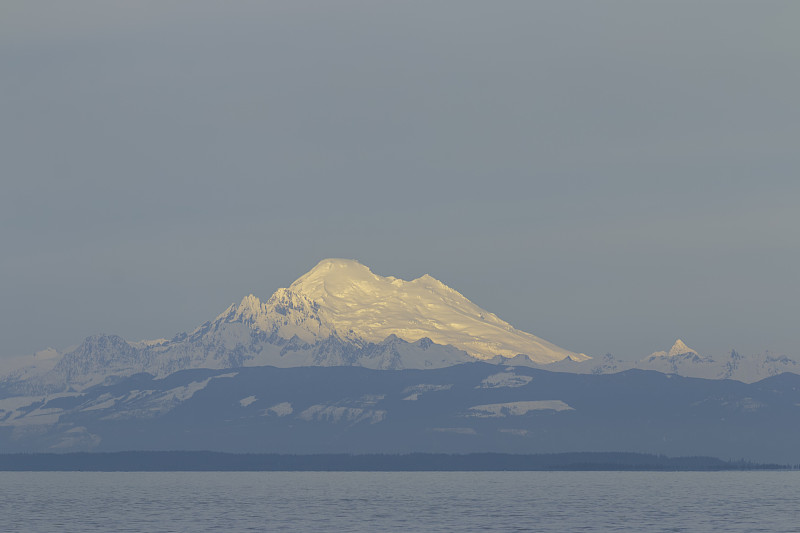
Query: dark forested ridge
(165, 461)
(465, 409)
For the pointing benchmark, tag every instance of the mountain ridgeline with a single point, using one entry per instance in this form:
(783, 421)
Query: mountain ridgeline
(338, 314)
(467, 408)
(342, 314)
(347, 361)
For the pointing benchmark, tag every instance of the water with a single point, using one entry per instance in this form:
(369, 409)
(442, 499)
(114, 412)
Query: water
(66, 502)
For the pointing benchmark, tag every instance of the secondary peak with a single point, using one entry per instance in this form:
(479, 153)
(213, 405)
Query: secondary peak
(680, 348)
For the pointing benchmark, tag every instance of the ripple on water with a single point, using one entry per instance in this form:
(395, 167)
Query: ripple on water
(68, 502)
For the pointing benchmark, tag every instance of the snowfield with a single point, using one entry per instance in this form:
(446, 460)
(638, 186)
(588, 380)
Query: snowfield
(518, 408)
(504, 379)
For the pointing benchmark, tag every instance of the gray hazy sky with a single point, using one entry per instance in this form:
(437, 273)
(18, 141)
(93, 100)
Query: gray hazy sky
(606, 175)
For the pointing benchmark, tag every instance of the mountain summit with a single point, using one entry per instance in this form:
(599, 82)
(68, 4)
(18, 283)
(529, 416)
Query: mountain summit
(342, 297)
(679, 348)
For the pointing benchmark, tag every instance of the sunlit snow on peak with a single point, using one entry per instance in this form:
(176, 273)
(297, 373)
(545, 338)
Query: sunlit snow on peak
(679, 348)
(344, 297)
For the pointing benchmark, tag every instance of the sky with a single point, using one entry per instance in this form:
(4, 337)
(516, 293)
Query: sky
(606, 175)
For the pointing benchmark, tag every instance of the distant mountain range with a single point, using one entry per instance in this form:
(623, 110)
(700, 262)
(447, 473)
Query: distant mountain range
(340, 314)
(683, 361)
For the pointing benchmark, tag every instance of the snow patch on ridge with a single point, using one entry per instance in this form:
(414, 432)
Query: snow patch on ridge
(417, 390)
(29, 411)
(457, 431)
(244, 402)
(334, 413)
(495, 410)
(77, 437)
(504, 379)
(279, 409)
(513, 431)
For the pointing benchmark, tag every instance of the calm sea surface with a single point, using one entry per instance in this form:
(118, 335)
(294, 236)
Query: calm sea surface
(407, 501)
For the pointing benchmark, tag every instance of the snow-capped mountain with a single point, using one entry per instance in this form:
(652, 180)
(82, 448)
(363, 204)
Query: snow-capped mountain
(679, 348)
(250, 380)
(684, 361)
(680, 359)
(343, 298)
(337, 314)
(342, 314)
